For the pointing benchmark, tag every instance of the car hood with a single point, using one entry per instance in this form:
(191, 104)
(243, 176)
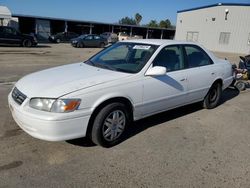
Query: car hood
(59, 81)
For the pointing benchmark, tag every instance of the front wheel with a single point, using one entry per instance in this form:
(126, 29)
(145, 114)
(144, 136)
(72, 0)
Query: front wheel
(213, 96)
(110, 124)
(27, 43)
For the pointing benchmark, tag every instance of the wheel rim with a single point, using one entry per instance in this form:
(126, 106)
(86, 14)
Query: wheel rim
(114, 125)
(240, 86)
(27, 43)
(58, 40)
(213, 95)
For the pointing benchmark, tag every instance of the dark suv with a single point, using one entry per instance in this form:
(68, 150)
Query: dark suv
(10, 36)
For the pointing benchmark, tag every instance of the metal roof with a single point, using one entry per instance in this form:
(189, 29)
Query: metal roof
(214, 5)
(90, 22)
(5, 12)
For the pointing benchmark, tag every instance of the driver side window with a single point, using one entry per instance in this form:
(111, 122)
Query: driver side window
(170, 57)
(90, 37)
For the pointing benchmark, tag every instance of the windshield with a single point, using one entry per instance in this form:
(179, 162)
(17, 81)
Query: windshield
(124, 57)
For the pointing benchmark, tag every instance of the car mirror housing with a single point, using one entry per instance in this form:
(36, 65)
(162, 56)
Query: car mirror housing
(156, 71)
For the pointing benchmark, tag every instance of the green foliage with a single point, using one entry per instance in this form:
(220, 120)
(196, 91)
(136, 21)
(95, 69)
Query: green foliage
(153, 23)
(165, 23)
(138, 18)
(127, 21)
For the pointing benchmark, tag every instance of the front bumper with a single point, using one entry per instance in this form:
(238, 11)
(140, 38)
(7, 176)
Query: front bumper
(49, 126)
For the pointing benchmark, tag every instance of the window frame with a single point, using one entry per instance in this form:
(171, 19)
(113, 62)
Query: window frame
(180, 46)
(192, 34)
(223, 36)
(88, 37)
(197, 47)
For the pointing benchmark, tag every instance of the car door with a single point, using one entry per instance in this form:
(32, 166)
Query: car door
(88, 41)
(11, 36)
(96, 41)
(167, 91)
(201, 72)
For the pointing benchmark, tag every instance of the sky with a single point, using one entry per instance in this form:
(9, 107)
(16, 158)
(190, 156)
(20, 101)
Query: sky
(109, 11)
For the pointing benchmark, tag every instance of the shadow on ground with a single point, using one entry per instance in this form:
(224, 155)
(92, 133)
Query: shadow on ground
(141, 125)
(38, 46)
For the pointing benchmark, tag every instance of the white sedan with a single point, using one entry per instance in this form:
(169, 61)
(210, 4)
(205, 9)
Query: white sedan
(127, 81)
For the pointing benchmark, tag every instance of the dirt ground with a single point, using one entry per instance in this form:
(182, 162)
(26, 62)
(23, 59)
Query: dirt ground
(185, 147)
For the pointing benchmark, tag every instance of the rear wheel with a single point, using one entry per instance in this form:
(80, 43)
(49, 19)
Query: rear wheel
(102, 45)
(110, 124)
(27, 43)
(58, 40)
(212, 99)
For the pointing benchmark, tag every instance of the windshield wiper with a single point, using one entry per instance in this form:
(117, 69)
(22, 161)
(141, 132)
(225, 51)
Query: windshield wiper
(105, 66)
(89, 62)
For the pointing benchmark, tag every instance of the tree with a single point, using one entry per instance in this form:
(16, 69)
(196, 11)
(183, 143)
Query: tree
(138, 18)
(153, 23)
(127, 21)
(165, 24)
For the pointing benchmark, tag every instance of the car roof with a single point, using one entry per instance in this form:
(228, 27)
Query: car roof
(158, 41)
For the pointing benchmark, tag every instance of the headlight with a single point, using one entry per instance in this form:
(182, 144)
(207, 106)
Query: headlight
(55, 105)
(74, 41)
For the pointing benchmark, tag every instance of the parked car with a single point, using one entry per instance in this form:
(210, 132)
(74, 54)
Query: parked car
(63, 37)
(89, 41)
(10, 36)
(125, 82)
(124, 36)
(111, 37)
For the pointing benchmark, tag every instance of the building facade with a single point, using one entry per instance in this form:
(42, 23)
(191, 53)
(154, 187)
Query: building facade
(43, 27)
(222, 27)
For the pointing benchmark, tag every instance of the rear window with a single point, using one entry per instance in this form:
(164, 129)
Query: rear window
(197, 57)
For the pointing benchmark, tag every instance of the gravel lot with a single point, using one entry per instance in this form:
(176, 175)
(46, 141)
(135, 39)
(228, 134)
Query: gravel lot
(185, 147)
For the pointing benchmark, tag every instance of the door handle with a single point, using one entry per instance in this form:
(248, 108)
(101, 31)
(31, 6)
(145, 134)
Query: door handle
(213, 73)
(183, 79)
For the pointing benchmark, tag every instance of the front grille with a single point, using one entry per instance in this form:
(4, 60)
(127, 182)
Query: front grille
(18, 96)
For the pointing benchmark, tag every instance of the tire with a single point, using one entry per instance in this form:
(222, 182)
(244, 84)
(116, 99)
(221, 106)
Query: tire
(240, 85)
(27, 43)
(213, 96)
(109, 125)
(102, 45)
(81, 45)
(58, 40)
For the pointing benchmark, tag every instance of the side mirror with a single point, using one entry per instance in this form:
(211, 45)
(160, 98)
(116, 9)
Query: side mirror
(156, 71)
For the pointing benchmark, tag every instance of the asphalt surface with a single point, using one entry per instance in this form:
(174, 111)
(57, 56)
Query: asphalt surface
(185, 147)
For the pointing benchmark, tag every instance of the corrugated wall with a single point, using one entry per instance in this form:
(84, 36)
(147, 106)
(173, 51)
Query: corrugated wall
(210, 22)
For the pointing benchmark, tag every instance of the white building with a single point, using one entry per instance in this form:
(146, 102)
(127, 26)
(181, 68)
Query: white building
(222, 27)
(5, 15)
